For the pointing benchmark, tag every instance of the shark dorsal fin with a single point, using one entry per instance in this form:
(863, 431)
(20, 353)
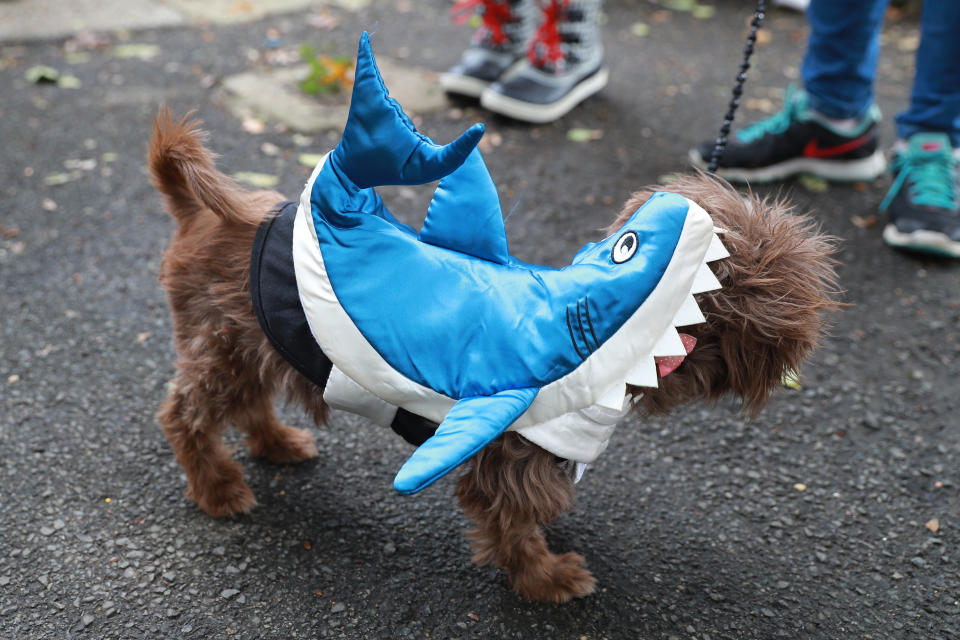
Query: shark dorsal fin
(465, 214)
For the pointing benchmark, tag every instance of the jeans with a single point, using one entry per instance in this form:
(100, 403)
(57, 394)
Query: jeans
(840, 65)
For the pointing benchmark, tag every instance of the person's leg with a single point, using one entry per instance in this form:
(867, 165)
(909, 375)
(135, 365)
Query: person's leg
(840, 64)
(830, 128)
(923, 204)
(935, 100)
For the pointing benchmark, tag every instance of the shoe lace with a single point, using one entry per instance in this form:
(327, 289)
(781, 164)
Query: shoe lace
(545, 47)
(930, 178)
(794, 102)
(494, 15)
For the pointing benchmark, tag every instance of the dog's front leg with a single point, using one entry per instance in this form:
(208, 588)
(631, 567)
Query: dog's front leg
(513, 488)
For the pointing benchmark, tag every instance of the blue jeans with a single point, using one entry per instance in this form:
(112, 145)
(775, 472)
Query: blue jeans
(841, 63)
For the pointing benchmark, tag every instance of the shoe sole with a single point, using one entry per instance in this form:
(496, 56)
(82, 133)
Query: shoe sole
(543, 113)
(463, 85)
(861, 170)
(922, 240)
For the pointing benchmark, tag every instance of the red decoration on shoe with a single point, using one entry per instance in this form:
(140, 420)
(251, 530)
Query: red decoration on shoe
(545, 46)
(666, 364)
(494, 15)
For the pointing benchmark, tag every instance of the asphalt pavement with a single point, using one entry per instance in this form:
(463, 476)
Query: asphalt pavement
(834, 514)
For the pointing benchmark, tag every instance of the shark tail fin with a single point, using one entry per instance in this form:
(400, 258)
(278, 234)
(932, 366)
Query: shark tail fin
(380, 144)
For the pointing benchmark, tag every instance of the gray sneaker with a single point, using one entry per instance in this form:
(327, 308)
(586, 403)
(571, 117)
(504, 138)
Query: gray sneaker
(564, 66)
(497, 45)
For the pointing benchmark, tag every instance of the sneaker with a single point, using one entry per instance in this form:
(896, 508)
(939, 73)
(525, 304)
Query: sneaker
(564, 66)
(497, 45)
(922, 204)
(799, 140)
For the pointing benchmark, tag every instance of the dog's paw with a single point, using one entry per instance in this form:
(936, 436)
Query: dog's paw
(229, 495)
(282, 444)
(555, 579)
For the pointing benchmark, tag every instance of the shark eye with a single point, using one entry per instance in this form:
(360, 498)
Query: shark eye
(625, 248)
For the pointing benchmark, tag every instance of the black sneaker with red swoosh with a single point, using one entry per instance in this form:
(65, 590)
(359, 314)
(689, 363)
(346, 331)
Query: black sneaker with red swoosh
(798, 140)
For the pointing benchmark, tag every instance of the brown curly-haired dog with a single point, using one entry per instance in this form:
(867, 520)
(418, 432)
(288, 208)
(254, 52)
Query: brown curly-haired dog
(777, 282)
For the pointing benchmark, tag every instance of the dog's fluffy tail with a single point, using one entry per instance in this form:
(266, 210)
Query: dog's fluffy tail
(183, 170)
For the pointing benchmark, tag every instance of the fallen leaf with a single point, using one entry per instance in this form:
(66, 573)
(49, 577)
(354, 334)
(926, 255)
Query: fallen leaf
(584, 135)
(474, 617)
(143, 337)
(814, 183)
(41, 74)
(86, 40)
(680, 5)
(69, 82)
(55, 179)
(259, 180)
(307, 545)
(87, 164)
(764, 37)
(318, 593)
(301, 140)
(864, 223)
(324, 21)
(933, 525)
(254, 126)
(640, 29)
(791, 380)
(109, 156)
(703, 11)
(134, 50)
(77, 57)
(667, 178)
(764, 105)
(9, 232)
(310, 159)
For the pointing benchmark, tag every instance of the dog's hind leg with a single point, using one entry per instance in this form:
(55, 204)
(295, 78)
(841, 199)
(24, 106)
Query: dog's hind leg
(194, 427)
(269, 438)
(511, 490)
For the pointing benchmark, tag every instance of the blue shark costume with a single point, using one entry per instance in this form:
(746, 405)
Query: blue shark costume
(446, 324)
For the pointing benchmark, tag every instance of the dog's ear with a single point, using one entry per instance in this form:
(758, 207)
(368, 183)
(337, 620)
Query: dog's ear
(779, 280)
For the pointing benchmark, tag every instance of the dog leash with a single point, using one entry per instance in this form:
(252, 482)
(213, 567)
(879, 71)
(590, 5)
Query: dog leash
(758, 15)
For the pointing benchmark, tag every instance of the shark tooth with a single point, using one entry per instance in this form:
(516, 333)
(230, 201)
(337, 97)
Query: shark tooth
(644, 374)
(716, 251)
(705, 280)
(613, 397)
(688, 313)
(669, 344)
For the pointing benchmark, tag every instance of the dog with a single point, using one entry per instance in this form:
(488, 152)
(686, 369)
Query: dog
(778, 286)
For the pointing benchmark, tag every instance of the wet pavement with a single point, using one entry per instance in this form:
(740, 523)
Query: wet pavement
(834, 514)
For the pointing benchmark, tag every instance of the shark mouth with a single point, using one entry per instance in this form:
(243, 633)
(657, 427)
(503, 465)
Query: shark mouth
(645, 371)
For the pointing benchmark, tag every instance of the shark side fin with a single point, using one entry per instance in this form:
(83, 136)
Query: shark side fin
(380, 145)
(469, 426)
(465, 213)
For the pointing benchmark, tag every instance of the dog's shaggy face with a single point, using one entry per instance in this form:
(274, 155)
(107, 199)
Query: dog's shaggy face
(768, 317)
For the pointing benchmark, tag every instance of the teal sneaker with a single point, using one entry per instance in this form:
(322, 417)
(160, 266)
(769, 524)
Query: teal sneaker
(799, 140)
(922, 204)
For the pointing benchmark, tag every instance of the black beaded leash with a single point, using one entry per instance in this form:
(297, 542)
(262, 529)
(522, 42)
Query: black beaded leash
(758, 15)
